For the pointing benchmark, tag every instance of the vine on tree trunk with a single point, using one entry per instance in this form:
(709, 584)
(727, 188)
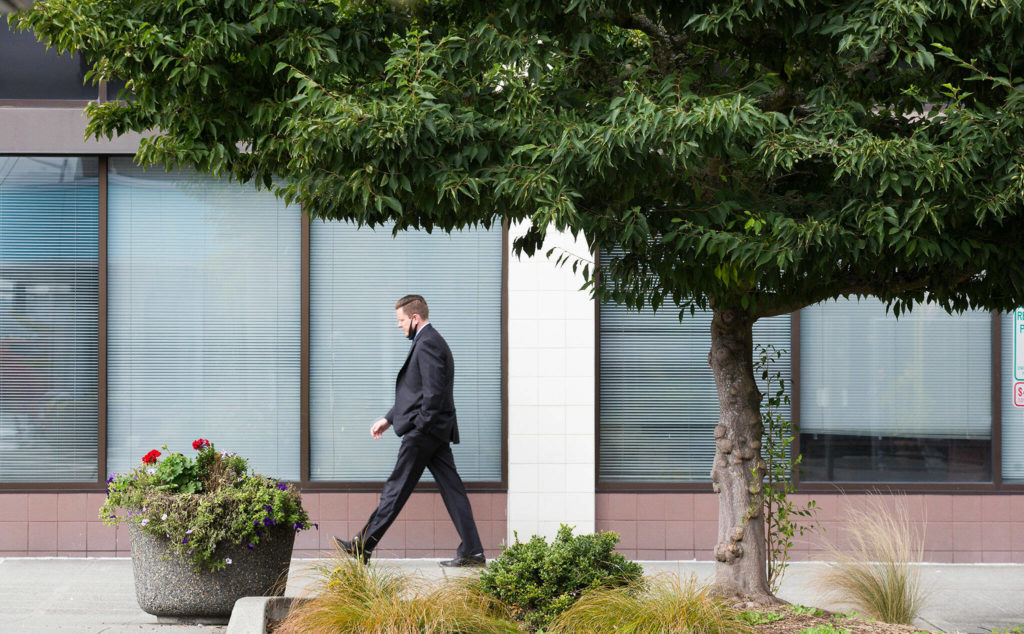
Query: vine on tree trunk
(783, 519)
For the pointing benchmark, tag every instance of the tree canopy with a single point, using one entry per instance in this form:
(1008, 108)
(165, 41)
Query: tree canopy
(751, 156)
(767, 153)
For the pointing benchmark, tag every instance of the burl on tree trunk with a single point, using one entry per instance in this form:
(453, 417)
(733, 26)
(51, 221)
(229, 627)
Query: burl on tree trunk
(740, 551)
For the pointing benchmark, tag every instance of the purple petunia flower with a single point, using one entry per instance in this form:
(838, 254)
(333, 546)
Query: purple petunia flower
(268, 508)
(298, 526)
(282, 486)
(184, 540)
(251, 546)
(144, 522)
(269, 521)
(111, 478)
(255, 522)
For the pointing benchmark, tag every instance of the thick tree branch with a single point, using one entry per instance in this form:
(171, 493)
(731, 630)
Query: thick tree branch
(873, 58)
(853, 287)
(657, 32)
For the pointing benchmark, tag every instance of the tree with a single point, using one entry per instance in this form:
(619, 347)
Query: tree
(747, 156)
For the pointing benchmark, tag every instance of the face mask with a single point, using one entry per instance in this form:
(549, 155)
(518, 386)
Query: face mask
(412, 332)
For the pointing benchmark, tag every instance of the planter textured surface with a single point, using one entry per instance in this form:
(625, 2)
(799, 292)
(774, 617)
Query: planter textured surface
(169, 587)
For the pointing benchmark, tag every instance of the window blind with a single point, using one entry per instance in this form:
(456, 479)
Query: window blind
(357, 349)
(49, 219)
(658, 401)
(203, 319)
(926, 375)
(1013, 416)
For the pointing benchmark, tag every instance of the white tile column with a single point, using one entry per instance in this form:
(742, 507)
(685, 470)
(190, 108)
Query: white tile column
(551, 372)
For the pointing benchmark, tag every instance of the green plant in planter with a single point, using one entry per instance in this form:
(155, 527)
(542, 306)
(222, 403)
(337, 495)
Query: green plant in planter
(202, 503)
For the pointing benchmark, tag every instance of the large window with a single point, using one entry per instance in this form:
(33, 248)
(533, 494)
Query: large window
(48, 319)
(887, 400)
(658, 402)
(356, 348)
(1012, 416)
(203, 318)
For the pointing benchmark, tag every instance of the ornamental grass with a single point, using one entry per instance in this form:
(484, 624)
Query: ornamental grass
(664, 604)
(878, 572)
(356, 597)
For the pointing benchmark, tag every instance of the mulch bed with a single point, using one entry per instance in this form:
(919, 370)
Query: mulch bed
(795, 620)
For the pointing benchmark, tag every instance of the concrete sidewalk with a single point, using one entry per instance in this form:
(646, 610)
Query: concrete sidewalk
(44, 595)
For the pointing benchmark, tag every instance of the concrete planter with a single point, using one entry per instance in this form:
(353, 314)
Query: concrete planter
(169, 587)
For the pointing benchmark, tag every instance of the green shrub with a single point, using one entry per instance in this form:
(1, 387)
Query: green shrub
(796, 608)
(826, 628)
(755, 617)
(666, 606)
(539, 581)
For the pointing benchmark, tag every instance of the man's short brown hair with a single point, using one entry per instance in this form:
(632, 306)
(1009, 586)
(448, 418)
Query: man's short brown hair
(413, 305)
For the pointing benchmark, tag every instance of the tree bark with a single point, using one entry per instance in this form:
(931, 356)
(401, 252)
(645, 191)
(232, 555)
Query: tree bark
(738, 472)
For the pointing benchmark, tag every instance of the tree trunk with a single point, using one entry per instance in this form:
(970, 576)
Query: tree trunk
(738, 472)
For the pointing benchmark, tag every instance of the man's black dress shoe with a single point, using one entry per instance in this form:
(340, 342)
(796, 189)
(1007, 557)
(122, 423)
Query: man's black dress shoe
(462, 562)
(354, 548)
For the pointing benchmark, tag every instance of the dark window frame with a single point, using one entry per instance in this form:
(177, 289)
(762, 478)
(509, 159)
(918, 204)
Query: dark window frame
(82, 486)
(319, 486)
(996, 485)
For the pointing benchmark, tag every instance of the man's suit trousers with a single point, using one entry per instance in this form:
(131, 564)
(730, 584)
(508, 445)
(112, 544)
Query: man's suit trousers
(421, 451)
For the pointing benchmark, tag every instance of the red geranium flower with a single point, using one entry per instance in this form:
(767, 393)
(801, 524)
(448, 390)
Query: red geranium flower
(151, 457)
(200, 443)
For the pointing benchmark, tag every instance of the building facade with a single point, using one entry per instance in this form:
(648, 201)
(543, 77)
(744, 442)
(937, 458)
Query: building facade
(140, 308)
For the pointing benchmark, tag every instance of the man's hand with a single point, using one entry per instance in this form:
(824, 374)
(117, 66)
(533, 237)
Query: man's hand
(379, 427)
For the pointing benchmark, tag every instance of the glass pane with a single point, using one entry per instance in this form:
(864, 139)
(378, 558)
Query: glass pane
(657, 393)
(887, 400)
(203, 318)
(49, 223)
(30, 71)
(1013, 416)
(356, 348)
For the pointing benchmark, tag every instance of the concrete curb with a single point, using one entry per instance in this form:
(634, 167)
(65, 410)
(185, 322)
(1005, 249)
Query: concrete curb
(251, 614)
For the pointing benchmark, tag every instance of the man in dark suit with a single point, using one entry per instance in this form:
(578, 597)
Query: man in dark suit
(424, 417)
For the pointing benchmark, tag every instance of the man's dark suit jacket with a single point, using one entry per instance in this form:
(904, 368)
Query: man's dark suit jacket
(424, 391)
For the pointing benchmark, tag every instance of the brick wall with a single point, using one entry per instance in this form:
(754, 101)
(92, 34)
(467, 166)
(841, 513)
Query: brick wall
(957, 528)
(68, 525)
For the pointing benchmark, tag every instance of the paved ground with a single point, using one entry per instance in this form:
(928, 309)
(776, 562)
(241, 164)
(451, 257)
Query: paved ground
(92, 596)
